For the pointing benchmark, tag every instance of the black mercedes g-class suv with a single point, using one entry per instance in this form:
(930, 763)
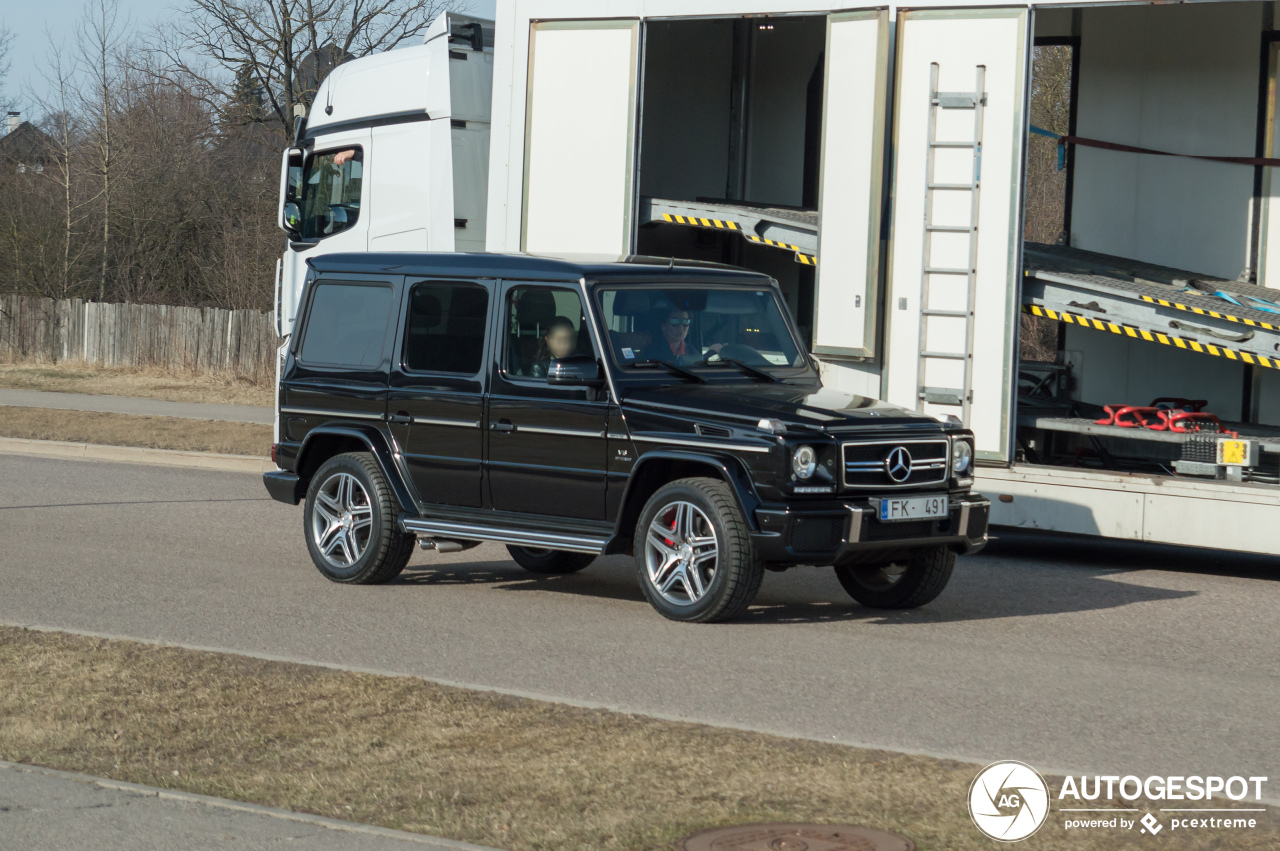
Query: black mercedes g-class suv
(571, 409)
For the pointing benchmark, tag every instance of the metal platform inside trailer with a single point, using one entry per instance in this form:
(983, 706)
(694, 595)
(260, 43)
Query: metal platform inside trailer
(788, 228)
(1158, 304)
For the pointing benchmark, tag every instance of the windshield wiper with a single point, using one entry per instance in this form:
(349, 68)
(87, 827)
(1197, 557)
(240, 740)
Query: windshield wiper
(745, 367)
(672, 368)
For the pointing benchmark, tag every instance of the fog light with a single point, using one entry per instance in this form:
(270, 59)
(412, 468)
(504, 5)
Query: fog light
(804, 462)
(961, 457)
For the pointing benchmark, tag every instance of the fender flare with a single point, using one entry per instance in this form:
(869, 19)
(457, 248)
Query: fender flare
(727, 467)
(376, 442)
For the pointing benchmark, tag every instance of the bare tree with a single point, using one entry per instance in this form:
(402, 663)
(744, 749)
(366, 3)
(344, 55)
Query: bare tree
(286, 47)
(61, 137)
(6, 41)
(100, 37)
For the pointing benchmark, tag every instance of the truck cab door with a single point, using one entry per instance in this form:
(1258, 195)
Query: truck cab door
(332, 204)
(959, 137)
(580, 131)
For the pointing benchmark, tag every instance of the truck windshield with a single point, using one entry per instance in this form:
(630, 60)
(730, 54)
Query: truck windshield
(700, 328)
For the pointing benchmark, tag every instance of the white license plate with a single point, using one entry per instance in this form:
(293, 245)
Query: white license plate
(913, 508)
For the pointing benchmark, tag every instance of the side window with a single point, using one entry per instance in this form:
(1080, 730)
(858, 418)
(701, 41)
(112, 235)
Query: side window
(445, 330)
(331, 192)
(543, 323)
(347, 325)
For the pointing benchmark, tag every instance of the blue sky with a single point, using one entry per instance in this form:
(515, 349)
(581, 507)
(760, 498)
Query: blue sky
(30, 19)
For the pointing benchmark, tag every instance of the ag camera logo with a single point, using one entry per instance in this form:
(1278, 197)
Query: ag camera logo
(1009, 801)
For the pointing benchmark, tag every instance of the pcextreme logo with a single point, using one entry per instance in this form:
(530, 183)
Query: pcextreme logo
(1009, 801)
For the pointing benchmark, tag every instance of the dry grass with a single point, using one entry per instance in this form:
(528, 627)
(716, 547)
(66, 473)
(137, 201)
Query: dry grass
(129, 430)
(145, 383)
(501, 771)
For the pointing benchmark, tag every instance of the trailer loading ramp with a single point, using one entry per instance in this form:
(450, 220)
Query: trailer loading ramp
(1158, 304)
(787, 228)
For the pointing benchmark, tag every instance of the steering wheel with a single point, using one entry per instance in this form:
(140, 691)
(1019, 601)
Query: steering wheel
(740, 352)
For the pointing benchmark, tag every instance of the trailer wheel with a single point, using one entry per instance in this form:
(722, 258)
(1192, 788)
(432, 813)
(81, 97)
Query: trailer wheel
(538, 560)
(350, 522)
(915, 578)
(694, 556)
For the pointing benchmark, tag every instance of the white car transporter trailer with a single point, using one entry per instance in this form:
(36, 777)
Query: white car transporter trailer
(874, 161)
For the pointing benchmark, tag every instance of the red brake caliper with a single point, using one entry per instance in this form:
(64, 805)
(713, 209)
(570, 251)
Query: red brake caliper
(670, 541)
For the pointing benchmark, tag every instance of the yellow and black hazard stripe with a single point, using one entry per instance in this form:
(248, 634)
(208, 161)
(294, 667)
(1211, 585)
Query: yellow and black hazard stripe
(726, 224)
(702, 223)
(1215, 314)
(1153, 337)
(801, 257)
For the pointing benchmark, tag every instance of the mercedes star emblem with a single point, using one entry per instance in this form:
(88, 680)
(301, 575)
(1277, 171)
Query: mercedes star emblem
(898, 464)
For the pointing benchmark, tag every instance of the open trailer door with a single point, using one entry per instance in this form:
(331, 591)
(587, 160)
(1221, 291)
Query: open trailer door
(579, 150)
(850, 188)
(959, 135)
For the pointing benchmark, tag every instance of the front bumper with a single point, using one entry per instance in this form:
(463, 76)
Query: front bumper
(829, 532)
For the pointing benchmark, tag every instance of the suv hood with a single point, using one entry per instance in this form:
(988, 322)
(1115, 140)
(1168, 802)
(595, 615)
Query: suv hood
(813, 406)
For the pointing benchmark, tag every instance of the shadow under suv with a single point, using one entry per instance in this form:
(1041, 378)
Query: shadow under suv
(657, 408)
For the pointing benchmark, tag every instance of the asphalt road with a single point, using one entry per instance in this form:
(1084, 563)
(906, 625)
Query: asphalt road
(136, 406)
(1073, 656)
(42, 810)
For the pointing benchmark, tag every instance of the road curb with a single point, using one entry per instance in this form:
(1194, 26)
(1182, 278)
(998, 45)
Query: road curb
(135, 455)
(256, 809)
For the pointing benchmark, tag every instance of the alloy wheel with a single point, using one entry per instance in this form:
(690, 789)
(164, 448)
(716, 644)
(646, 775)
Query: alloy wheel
(342, 520)
(681, 551)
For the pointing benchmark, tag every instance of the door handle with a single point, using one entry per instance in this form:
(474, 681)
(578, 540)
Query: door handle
(504, 426)
(400, 417)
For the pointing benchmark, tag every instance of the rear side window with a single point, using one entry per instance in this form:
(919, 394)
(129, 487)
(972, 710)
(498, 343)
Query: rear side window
(347, 325)
(446, 324)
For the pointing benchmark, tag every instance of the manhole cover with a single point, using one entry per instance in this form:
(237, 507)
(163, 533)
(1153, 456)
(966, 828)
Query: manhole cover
(795, 837)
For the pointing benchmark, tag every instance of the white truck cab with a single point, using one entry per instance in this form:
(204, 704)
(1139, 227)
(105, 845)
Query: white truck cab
(392, 157)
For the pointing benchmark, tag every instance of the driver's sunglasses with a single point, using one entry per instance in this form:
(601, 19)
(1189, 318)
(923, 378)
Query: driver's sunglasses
(685, 322)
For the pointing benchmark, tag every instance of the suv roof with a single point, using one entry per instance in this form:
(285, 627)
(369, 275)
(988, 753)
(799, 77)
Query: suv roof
(566, 268)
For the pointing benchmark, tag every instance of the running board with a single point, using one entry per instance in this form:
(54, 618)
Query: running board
(452, 530)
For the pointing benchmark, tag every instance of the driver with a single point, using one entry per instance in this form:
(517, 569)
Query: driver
(675, 328)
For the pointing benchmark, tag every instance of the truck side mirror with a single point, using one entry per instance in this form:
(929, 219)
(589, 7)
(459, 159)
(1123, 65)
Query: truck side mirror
(575, 371)
(290, 213)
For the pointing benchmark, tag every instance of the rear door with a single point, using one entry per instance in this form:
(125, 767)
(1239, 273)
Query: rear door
(580, 133)
(437, 388)
(959, 138)
(547, 445)
(850, 197)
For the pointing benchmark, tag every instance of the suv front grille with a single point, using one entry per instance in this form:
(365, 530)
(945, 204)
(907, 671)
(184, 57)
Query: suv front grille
(868, 464)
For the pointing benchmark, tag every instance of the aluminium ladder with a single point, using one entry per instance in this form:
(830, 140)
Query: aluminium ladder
(961, 397)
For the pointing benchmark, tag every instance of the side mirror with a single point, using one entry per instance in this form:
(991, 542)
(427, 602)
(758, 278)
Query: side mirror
(290, 215)
(575, 371)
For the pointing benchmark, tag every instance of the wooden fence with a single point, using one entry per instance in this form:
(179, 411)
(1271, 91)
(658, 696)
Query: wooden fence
(195, 339)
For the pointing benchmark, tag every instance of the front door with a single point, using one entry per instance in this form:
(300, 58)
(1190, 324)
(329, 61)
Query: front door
(546, 444)
(436, 403)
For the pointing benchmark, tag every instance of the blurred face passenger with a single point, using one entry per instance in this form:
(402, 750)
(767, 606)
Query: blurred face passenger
(561, 341)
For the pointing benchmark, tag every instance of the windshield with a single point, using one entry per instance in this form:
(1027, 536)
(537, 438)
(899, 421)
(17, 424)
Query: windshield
(699, 328)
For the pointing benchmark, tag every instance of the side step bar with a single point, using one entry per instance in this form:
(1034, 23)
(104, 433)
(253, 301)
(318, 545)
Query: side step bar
(452, 530)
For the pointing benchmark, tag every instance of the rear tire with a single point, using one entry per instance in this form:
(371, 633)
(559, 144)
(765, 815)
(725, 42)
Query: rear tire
(349, 522)
(908, 582)
(549, 561)
(694, 556)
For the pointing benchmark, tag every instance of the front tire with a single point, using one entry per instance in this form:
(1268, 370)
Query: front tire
(694, 556)
(350, 522)
(544, 561)
(915, 578)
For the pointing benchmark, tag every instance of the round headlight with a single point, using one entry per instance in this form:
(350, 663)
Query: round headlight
(961, 457)
(804, 462)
